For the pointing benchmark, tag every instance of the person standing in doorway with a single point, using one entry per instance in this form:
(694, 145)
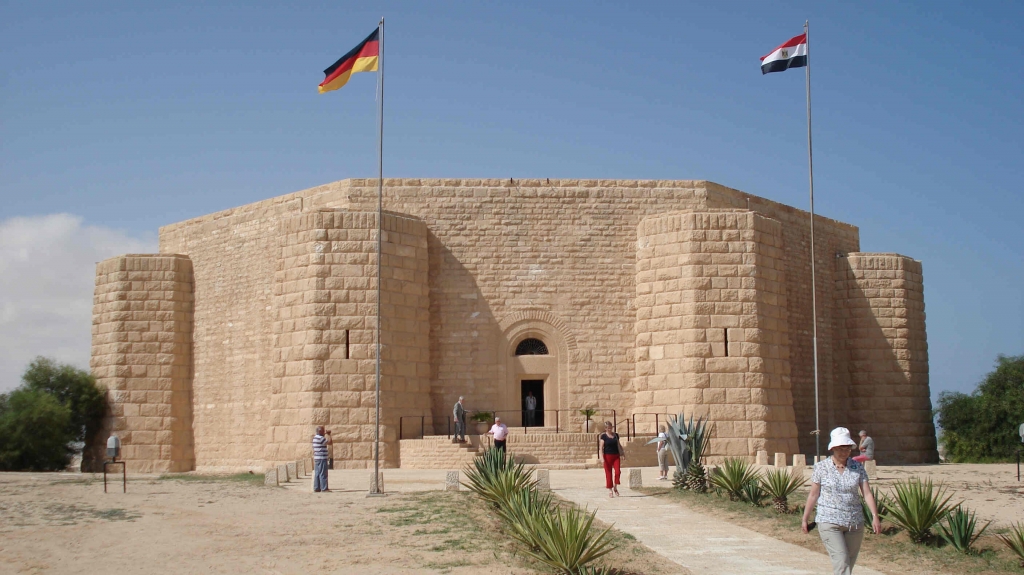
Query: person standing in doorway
(531, 409)
(500, 433)
(866, 447)
(459, 414)
(611, 454)
(837, 484)
(321, 442)
(662, 454)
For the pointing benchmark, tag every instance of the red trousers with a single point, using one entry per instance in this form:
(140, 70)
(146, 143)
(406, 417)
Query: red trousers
(611, 462)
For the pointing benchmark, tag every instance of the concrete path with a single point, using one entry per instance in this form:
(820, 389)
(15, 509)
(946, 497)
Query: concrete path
(700, 543)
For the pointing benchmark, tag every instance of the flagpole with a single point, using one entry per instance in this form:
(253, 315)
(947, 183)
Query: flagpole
(375, 484)
(814, 284)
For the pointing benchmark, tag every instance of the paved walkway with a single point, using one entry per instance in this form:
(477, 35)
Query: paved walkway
(700, 543)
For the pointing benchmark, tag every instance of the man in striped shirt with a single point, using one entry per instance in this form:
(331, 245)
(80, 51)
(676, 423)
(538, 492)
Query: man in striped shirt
(320, 442)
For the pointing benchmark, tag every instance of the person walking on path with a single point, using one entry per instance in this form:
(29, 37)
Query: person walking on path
(836, 486)
(500, 432)
(321, 441)
(663, 454)
(459, 414)
(531, 409)
(866, 447)
(611, 454)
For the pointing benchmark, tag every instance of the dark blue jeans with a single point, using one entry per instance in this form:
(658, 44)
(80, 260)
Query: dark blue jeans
(319, 474)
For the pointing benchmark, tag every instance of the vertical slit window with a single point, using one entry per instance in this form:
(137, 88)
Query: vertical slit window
(346, 345)
(725, 331)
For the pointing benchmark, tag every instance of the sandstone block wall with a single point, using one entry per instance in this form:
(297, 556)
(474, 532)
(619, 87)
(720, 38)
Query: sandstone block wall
(556, 257)
(142, 355)
(324, 340)
(883, 355)
(712, 335)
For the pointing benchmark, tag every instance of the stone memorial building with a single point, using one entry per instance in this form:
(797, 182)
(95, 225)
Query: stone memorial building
(636, 298)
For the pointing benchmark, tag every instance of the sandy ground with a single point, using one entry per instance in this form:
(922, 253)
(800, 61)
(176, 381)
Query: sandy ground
(64, 523)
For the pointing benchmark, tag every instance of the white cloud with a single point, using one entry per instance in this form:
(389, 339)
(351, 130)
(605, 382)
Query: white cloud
(47, 274)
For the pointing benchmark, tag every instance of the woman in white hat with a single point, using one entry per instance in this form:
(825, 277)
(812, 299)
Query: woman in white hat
(837, 485)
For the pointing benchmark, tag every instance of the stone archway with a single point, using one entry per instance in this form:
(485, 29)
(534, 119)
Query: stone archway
(552, 368)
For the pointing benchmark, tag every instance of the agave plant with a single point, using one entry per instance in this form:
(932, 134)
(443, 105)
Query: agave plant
(754, 493)
(732, 477)
(961, 529)
(918, 506)
(562, 538)
(881, 503)
(521, 510)
(780, 484)
(688, 441)
(495, 477)
(1015, 540)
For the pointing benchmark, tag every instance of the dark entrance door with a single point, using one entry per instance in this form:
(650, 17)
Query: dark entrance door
(536, 387)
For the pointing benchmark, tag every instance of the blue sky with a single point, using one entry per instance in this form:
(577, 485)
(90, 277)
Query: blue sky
(120, 118)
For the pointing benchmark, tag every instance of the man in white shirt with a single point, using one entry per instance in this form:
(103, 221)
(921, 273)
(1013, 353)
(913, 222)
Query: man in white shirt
(500, 433)
(531, 409)
(663, 454)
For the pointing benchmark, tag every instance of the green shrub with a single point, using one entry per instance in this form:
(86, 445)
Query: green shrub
(780, 484)
(1015, 540)
(560, 538)
(754, 494)
(482, 417)
(961, 529)
(34, 432)
(732, 477)
(918, 506)
(495, 477)
(688, 440)
(982, 426)
(881, 503)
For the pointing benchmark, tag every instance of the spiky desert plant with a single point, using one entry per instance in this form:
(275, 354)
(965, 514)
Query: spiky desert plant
(754, 493)
(495, 477)
(688, 441)
(563, 538)
(1015, 540)
(961, 529)
(780, 484)
(881, 503)
(917, 506)
(732, 477)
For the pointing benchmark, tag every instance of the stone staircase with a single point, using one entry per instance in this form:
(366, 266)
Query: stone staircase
(438, 452)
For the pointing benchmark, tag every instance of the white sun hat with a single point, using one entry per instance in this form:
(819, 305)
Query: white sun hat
(840, 436)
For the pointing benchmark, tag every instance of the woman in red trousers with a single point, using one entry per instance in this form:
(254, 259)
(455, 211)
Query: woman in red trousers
(611, 453)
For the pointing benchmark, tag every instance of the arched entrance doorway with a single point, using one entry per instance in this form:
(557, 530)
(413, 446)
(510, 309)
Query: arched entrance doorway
(536, 348)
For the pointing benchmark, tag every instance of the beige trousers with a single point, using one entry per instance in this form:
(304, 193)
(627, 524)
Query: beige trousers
(842, 544)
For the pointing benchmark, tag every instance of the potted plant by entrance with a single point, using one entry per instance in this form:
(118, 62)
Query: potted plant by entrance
(588, 412)
(483, 421)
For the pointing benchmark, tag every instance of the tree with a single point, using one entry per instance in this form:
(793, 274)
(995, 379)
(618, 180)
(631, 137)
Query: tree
(56, 405)
(982, 426)
(73, 387)
(34, 431)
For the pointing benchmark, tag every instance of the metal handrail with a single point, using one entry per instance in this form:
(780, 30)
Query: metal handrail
(657, 422)
(493, 413)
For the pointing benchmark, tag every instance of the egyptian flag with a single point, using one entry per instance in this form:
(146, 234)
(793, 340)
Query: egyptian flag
(362, 58)
(792, 54)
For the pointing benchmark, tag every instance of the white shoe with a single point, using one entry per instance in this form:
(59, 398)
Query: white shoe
(663, 479)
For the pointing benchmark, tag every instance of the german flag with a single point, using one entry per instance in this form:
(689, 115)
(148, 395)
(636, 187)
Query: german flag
(362, 58)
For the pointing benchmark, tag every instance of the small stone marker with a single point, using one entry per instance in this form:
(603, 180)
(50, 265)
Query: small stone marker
(292, 471)
(300, 468)
(799, 460)
(636, 480)
(282, 474)
(543, 480)
(451, 481)
(870, 468)
(270, 477)
(780, 460)
(761, 458)
(379, 484)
